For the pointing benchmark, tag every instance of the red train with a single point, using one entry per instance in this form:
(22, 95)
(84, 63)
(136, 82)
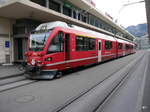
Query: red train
(57, 46)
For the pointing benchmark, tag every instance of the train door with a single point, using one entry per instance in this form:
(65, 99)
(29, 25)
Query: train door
(99, 51)
(67, 50)
(124, 50)
(67, 47)
(117, 49)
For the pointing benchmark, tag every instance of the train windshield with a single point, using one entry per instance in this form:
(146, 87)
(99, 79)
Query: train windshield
(38, 39)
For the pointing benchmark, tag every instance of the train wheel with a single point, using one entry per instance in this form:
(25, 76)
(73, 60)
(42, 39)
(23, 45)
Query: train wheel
(59, 74)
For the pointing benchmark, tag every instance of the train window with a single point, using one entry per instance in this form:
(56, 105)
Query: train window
(84, 43)
(56, 44)
(38, 39)
(79, 43)
(127, 46)
(131, 46)
(99, 46)
(120, 45)
(92, 44)
(108, 45)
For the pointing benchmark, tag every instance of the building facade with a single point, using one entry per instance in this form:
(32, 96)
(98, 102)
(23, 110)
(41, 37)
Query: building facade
(19, 17)
(143, 42)
(6, 40)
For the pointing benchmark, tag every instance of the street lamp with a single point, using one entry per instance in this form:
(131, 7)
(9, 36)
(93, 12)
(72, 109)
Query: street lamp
(133, 3)
(123, 6)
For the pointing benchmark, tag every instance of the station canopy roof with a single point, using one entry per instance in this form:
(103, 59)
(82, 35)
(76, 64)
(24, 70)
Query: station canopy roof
(17, 9)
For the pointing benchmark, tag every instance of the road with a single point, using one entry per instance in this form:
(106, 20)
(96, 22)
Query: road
(50, 96)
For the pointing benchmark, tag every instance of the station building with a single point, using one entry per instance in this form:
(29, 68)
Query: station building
(19, 17)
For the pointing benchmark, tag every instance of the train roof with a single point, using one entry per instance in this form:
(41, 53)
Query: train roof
(89, 34)
(77, 30)
(51, 25)
(121, 41)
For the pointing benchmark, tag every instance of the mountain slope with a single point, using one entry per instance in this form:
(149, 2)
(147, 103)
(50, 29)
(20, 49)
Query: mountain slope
(138, 30)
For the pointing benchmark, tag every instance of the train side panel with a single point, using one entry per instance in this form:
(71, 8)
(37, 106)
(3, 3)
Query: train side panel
(108, 49)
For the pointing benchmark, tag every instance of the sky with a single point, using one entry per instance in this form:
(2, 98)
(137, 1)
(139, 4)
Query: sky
(126, 16)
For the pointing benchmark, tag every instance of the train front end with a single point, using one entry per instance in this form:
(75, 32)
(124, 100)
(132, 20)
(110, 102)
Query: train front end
(34, 57)
(46, 51)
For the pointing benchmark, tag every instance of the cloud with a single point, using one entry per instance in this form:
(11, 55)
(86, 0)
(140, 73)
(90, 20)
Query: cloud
(129, 15)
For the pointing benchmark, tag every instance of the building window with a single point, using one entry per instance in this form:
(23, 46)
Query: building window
(114, 31)
(100, 25)
(74, 14)
(19, 30)
(120, 45)
(79, 16)
(83, 17)
(40, 2)
(108, 45)
(67, 11)
(54, 6)
(91, 20)
(96, 23)
(84, 43)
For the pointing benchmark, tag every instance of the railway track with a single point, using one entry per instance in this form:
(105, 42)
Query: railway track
(12, 82)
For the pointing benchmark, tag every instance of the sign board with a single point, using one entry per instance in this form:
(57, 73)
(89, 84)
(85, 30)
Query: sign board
(67, 5)
(7, 44)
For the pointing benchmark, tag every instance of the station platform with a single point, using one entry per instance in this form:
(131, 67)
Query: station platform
(10, 70)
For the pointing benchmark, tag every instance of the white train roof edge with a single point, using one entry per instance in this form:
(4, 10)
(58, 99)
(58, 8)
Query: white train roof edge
(52, 25)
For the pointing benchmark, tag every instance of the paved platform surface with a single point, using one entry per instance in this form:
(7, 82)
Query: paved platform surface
(10, 70)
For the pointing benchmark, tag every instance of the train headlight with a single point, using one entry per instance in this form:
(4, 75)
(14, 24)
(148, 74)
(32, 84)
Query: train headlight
(33, 62)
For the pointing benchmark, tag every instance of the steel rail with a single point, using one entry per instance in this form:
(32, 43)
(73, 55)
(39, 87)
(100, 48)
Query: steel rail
(9, 84)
